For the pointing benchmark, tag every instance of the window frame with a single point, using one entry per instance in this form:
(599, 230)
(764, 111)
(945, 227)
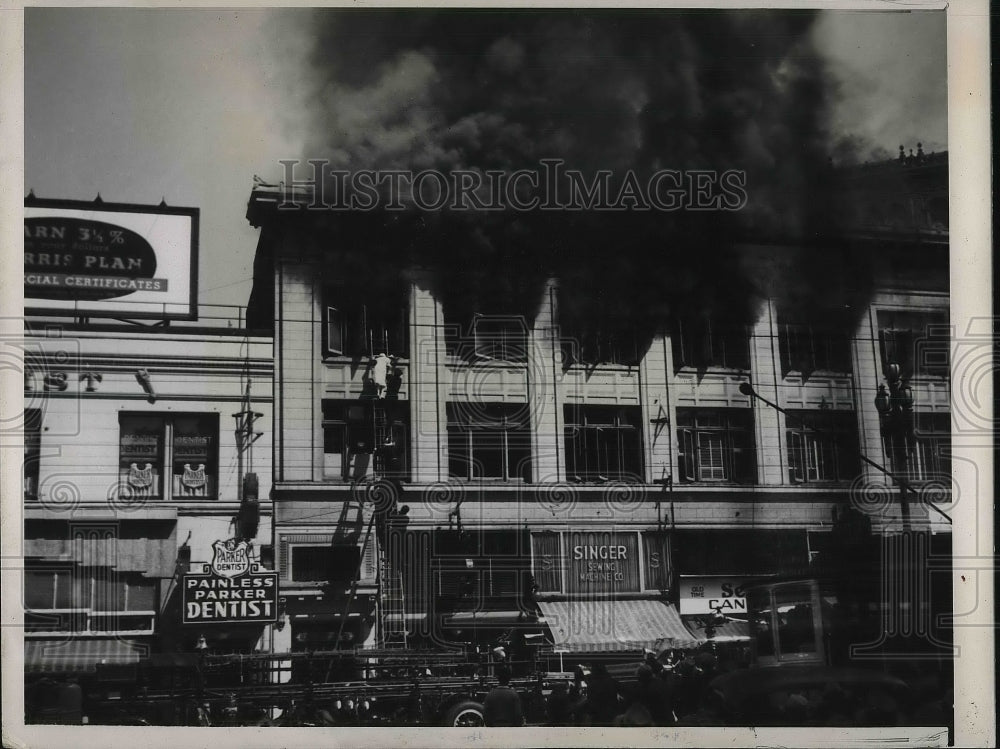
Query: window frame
(837, 440)
(901, 329)
(466, 338)
(365, 573)
(728, 432)
(461, 425)
(350, 331)
(821, 344)
(165, 473)
(83, 614)
(599, 346)
(928, 454)
(690, 349)
(582, 421)
(398, 423)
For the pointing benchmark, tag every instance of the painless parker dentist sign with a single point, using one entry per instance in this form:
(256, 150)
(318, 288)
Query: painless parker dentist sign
(232, 589)
(110, 259)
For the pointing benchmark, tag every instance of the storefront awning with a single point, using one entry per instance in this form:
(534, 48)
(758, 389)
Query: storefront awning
(733, 630)
(609, 625)
(78, 656)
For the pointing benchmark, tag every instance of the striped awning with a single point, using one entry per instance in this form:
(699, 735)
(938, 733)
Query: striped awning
(609, 625)
(79, 656)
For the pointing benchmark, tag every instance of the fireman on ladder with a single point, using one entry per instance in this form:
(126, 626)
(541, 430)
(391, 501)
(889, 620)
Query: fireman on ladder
(382, 366)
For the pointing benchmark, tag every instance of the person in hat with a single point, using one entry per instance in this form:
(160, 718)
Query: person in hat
(502, 706)
(602, 696)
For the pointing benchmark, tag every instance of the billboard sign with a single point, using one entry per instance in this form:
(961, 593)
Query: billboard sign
(110, 259)
(713, 594)
(232, 589)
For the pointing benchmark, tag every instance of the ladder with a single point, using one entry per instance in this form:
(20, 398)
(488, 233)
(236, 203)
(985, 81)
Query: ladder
(390, 601)
(392, 611)
(382, 433)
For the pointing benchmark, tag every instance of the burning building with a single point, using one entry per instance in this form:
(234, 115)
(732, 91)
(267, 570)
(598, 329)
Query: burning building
(493, 420)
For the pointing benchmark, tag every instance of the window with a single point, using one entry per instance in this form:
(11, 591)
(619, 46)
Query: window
(814, 347)
(489, 441)
(600, 346)
(320, 558)
(656, 556)
(365, 330)
(547, 561)
(603, 443)
(488, 337)
(90, 599)
(929, 451)
(360, 436)
(822, 446)
(32, 451)
(328, 563)
(582, 558)
(716, 445)
(916, 340)
(169, 456)
(702, 343)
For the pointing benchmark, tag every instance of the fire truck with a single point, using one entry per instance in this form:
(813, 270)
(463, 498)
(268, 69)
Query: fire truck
(362, 687)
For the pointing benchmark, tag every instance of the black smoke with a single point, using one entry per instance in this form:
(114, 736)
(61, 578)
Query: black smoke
(618, 90)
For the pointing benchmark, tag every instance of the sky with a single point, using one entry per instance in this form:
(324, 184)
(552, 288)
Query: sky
(187, 105)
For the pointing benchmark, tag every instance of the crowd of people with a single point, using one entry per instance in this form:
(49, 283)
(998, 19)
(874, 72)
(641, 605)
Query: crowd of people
(665, 690)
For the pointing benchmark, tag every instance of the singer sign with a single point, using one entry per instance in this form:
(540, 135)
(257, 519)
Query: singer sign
(109, 259)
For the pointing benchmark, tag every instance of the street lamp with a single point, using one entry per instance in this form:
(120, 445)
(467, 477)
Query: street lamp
(896, 410)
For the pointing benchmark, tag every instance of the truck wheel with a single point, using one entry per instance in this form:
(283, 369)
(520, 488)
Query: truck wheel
(465, 713)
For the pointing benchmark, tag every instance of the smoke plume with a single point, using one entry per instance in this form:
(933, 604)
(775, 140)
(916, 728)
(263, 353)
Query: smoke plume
(624, 90)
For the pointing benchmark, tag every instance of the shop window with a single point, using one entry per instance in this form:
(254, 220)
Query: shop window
(547, 561)
(716, 445)
(358, 330)
(808, 347)
(918, 341)
(489, 441)
(603, 443)
(822, 446)
(928, 454)
(171, 456)
(702, 343)
(656, 556)
(32, 451)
